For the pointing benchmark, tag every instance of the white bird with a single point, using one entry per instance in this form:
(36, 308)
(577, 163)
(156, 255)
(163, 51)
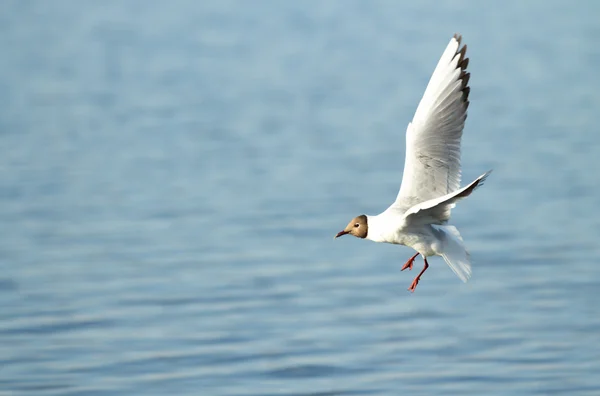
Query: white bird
(431, 182)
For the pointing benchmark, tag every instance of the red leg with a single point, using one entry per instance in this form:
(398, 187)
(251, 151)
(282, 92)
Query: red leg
(409, 263)
(415, 282)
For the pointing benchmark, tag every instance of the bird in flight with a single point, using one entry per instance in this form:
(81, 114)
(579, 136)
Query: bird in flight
(430, 186)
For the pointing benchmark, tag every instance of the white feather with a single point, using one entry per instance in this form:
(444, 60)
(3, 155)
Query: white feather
(454, 252)
(432, 163)
(432, 170)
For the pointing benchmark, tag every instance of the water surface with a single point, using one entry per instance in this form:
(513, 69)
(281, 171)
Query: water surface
(172, 176)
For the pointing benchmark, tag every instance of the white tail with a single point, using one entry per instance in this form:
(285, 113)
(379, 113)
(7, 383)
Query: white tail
(454, 252)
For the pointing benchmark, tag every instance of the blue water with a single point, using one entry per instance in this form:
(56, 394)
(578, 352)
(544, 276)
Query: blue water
(172, 175)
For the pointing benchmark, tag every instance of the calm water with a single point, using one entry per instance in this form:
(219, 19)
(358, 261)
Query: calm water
(172, 176)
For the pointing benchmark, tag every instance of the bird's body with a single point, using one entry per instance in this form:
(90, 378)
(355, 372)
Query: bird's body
(394, 230)
(430, 187)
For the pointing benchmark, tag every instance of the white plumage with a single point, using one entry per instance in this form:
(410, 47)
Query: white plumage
(430, 184)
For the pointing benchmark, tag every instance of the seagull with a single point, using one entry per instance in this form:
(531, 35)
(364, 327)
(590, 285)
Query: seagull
(430, 186)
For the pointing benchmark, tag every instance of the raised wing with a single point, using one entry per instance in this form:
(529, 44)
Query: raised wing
(432, 163)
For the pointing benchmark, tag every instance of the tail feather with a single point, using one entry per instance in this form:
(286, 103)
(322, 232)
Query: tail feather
(455, 253)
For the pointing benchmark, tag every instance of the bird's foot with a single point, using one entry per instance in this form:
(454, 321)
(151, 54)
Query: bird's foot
(414, 284)
(409, 263)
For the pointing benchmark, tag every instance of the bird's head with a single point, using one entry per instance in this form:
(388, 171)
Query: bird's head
(358, 227)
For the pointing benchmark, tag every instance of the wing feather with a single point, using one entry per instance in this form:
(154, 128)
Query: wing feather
(433, 138)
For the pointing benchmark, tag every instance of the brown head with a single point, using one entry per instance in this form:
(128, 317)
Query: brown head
(357, 227)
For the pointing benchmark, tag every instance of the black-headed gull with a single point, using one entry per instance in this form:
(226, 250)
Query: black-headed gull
(431, 182)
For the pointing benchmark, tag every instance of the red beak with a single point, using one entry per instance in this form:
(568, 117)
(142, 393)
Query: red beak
(339, 234)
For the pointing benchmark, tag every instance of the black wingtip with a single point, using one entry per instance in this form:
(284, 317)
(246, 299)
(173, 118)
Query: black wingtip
(465, 76)
(465, 94)
(463, 63)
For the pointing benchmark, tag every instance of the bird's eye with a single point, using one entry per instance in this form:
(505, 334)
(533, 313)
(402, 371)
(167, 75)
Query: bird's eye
(356, 225)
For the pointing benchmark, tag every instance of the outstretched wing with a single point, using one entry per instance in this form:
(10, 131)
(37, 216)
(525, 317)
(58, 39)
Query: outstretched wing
(437, 210)
(432, 163)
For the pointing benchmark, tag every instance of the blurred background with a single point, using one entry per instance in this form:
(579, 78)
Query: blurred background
(172, 175)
